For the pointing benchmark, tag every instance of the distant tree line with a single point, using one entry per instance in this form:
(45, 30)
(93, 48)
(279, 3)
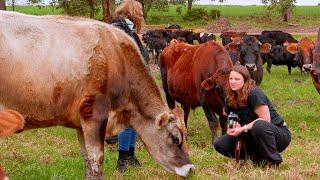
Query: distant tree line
(91, 7)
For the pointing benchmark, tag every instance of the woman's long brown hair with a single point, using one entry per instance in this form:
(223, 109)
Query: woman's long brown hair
(132, 10)
(236, 99)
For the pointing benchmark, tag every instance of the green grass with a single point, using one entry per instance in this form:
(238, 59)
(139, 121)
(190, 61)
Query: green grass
(53, 153)
(253, 15)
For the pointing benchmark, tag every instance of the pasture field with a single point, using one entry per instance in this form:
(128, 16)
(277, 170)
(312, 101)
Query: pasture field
(256, 15)
(54, 153)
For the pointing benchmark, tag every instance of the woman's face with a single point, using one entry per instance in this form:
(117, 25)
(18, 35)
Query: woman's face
(236, 81)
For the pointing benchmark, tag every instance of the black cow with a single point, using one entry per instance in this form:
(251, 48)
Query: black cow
(173, 26)
(155, 45)
(204, 37)
(250, 57)
(279, 55)
(276, 37)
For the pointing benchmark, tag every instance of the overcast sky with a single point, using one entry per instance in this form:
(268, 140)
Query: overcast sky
(254, 2)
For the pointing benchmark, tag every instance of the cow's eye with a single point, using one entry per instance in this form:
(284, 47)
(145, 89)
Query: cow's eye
(175, 140)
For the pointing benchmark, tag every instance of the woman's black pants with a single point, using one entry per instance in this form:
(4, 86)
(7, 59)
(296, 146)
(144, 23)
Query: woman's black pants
(263, 142)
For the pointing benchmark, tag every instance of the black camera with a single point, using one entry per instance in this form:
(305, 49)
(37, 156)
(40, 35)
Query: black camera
(232, 119)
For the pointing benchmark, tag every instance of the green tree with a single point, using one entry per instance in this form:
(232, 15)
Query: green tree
(80, 7)
(284, 7)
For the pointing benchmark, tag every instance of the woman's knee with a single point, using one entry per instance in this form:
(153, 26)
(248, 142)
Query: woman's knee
(259, 127)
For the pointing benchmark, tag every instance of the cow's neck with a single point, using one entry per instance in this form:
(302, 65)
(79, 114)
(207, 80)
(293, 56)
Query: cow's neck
(145, 94)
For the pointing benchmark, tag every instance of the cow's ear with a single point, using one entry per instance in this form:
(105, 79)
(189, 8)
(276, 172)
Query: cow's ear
(265, 48)
(207, 84)
(292, 49)
(162, 120)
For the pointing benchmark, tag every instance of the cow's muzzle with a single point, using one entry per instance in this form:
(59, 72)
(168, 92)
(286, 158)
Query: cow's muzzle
(251, 67)
(307, 67)
(184, 170)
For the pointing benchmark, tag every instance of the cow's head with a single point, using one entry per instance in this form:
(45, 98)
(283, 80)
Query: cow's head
(315, 72)
(215, 86)
(250, 53)
(302, 52)
(165, 139)
(217, 82)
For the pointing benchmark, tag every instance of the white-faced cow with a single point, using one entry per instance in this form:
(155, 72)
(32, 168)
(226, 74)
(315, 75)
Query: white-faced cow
(74, 72)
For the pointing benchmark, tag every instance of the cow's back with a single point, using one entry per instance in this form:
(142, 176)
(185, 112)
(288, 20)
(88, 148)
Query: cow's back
(49, 59)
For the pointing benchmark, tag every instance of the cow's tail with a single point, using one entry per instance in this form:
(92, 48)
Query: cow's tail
(10, 122)
(319, 34)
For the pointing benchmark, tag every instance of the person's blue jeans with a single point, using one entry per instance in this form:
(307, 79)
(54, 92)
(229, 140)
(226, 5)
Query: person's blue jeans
(127, 139)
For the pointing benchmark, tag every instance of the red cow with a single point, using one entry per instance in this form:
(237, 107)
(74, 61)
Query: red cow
(302, 52)
(184, 67)
(315, 72)
(226, 36)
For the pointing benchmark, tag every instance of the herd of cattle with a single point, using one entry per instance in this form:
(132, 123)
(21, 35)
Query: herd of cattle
(273, 47)
(195, 75)
(94, 80)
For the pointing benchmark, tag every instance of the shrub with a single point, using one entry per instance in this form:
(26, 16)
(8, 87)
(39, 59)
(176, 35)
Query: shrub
(214, 14)
(79, 7)
(196, 14)
(179, 10)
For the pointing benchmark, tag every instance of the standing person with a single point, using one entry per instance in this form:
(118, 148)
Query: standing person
(129, 18)
(262, 129)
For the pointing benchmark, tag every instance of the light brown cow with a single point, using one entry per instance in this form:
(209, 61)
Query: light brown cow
(74, 72)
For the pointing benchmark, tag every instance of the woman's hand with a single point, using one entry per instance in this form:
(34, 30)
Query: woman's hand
(236, 131)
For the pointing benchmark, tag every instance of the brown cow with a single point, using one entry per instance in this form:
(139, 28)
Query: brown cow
(10, 122)
(227, 35)
(183, 68)
(302, 52)
(74, 72)
(315, 72)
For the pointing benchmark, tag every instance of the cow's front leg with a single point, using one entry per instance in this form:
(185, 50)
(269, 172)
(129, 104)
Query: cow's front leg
(93, 123)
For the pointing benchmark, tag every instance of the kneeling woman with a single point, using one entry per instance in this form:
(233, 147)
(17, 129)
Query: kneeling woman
(263, 131)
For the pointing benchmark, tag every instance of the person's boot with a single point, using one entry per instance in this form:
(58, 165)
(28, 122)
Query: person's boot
(133, 161)
(123, 161)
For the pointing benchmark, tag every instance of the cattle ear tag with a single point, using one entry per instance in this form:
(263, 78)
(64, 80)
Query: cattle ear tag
(162, 120)
(207, 84)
